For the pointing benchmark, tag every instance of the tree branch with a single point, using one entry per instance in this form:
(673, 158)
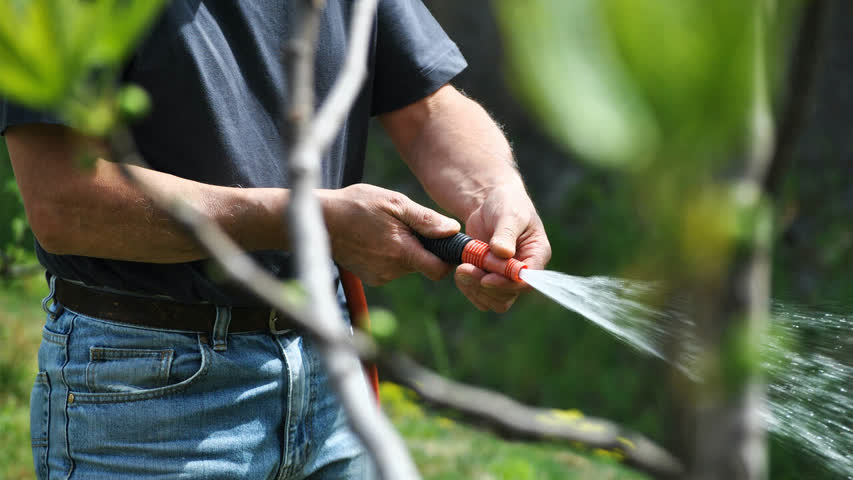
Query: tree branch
(9, 270)
(309, 138)
(519, 421)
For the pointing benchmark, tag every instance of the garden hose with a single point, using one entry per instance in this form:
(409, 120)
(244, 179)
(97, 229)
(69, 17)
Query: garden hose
(461, 248)
(357, 308)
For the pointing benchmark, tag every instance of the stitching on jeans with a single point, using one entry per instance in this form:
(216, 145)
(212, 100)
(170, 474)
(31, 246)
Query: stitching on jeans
(90, 398)
(102, 355)
(67, 451)
(55, 338)
(286, 467)
(42, 441)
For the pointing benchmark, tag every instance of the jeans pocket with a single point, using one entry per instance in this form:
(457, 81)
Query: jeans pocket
(127, 369)
(122, 380)
(39, 421)
(114, 362)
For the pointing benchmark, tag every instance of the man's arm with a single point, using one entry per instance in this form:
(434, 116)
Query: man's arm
(465, 163)
(97, 213)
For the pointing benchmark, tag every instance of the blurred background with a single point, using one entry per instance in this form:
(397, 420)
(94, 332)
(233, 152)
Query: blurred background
(539, 352)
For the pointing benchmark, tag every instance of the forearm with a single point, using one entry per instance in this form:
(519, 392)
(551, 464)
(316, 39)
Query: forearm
(455, 150)
(98, 213)
(118, 222)
(463, 160)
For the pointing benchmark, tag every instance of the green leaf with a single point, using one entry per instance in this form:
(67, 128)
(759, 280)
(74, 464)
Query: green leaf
(30, 60)
(383, 324)
(133, 102)
(693, 61)
(128, 20)
(565, 66)
(50, 50)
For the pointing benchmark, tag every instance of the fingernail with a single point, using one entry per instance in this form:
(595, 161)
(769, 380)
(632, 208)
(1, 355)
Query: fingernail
(465, 280)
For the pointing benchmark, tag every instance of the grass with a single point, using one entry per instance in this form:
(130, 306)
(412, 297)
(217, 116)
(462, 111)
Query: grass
(443, 448)
(21, 318)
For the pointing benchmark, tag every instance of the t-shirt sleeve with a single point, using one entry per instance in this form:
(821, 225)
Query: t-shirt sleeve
(12, 114)
(414, 56)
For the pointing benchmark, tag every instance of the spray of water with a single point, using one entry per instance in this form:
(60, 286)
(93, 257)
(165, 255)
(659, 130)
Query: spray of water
(808, 357)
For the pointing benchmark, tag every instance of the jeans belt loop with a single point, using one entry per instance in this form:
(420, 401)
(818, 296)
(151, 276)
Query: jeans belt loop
(220, 328)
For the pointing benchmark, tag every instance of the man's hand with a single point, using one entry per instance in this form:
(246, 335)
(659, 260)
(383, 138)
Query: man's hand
(463, 160)
(509, 222)
(371, 233)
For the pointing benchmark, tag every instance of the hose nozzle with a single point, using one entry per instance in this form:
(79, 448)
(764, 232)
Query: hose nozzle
(461, 248)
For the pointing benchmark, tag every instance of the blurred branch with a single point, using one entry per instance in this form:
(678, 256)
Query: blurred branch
(800, 90)
(9, 270)
(309, 138)
(728, 437)
(518, 421)
(233, 259)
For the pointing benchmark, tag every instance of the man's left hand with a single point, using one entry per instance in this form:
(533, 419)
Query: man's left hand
(509, 222)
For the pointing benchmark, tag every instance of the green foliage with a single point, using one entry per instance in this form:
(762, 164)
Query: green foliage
(642, 83)
(16, 239)
(447, 450)
(383, 324)
(20, 330)
(62, 55)
(566, 69)
(133, 102)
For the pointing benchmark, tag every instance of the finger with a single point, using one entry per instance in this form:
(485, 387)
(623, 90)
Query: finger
(467, 279)
(426, 221)
(534, 248)
(497, 295)
(500, 306)
(421, 260)
(505, 235)
(494, 281)
(499, 302)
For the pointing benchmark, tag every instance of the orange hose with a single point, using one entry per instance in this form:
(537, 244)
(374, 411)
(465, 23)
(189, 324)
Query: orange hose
(478, 254)
(357, 307)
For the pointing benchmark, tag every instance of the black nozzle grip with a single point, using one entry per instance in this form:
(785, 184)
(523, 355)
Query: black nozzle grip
(448, 249)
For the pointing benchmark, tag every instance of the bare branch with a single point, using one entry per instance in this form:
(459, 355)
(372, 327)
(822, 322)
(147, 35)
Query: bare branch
(309, 236)
(233, 259)
(9, 270)
(516, 420)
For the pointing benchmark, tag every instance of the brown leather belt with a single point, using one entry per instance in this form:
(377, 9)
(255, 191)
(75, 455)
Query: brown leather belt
(161, 313)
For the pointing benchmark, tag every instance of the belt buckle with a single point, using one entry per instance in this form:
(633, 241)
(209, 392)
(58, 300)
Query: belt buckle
(272, 322)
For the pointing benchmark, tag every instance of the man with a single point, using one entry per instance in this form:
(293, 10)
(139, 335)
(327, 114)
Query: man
(154, 367)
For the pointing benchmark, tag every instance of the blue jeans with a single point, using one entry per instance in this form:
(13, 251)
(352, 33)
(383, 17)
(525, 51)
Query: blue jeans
(115, 401)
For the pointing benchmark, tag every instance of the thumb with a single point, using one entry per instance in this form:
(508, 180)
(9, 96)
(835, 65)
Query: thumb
(505, 236)
(428, 222)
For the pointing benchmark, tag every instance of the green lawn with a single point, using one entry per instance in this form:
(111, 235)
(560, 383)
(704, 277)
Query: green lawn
(20, 323)
(444, 449)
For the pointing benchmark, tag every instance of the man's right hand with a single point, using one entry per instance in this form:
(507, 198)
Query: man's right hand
(370, 230)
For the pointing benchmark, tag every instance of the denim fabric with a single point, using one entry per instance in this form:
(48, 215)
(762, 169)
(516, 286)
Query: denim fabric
(117, 401)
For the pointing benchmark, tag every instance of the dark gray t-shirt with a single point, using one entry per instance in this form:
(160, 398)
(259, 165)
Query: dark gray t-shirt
(213, 70)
